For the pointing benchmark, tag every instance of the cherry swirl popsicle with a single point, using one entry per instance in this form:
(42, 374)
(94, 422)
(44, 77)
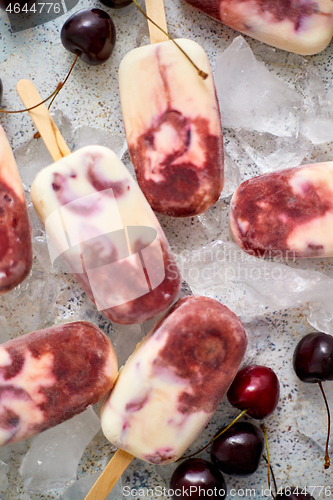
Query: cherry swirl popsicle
(15, 232)
(173, 382)
(304, 27)
(285, 214)
(172, 123)
(48, 376)
(104, 229)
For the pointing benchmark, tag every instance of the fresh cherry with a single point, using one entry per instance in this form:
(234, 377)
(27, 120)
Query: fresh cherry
(116, 4)
(196, 473)
(238, 451)
(255, 388)
(91, 34)
(313, 358)
(294, 493)
(313, 362)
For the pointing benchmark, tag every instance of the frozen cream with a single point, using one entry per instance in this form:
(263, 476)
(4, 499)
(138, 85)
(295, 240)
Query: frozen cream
(50, 375)
(15, 231)
(304, 27)
(171, 385)
(173, 127)
(102, 226)
(285, 214)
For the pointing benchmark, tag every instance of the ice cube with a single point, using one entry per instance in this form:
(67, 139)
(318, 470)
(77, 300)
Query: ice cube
(84, 136)
(251, 286)
(317, 111)
(81, 487)
(270, 152)
(321, 316)
(232, 176)
(124, 339)
(53, 456)
(251, 97)
(4, 468)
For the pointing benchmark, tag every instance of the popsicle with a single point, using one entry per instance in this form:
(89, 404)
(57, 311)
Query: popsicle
(172, 122)
(286, 214)
(51, 375)
(304, 27)
(172, 384)
(102, 226)
(15, 231)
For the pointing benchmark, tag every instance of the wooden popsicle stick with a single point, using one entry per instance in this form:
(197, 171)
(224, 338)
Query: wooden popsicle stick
(110, 475)
(155, 10)
(41, 117)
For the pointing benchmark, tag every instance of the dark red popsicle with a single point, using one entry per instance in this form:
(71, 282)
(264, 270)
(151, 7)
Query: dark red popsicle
(48, 376)
(15, 237)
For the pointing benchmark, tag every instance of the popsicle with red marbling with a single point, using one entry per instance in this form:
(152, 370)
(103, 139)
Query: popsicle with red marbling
(173, 126)
(171, 385)
(304, 27)
(48, 376)
(106, 232)
(285, 214)
(15, 232)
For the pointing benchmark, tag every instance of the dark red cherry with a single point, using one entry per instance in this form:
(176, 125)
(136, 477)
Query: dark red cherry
(313, 358)
(195, 473)
(91, 34)
(313, 362)
(116, 4)
(238, 450)
(255, 388)
(294, 493)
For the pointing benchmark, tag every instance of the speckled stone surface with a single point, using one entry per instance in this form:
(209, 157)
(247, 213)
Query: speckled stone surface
(91, 97)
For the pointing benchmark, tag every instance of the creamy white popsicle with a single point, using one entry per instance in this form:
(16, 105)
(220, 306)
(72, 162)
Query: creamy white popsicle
(102, 226)
(171, 385)
(304, 27)
(51, 375)
(15, 231)
(285, 214)
(173, 126)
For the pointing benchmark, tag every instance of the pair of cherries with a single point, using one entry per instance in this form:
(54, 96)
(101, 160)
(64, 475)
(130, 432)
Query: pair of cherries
(256, 388)
(238, 450)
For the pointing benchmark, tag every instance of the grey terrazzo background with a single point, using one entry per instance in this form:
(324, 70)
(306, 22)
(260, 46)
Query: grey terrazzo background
(91, 98)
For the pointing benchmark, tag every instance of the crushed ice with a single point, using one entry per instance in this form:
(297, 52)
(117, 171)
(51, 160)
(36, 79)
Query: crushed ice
(53, 456)
(259, 101)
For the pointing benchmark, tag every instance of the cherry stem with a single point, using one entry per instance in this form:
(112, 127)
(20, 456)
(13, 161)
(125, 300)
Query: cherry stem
(68, 75)
(52, 96)
(268, 460)
(215, 437)
(327, 458)
(201, 73)
(59, 86)
(273, 475)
